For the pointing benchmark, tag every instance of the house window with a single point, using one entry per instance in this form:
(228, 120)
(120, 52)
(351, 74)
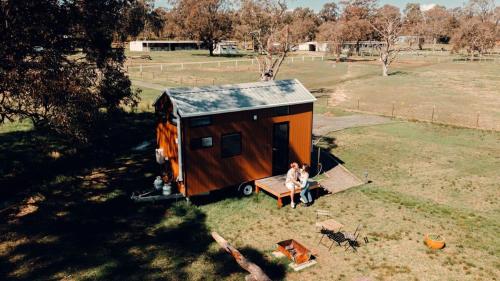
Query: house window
(204, 142)
(282, 110)
(231, 145)
(200, 121)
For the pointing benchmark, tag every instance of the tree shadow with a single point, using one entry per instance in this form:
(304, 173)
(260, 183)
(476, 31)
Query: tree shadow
(398, 73)
(82, 222)
(274, 268)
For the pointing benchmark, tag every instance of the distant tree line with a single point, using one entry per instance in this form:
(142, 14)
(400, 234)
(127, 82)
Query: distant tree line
(473, 27)
(61, 62)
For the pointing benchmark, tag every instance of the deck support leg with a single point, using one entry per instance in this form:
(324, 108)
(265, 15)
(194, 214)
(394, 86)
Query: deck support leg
(280, 202)
(257, 189)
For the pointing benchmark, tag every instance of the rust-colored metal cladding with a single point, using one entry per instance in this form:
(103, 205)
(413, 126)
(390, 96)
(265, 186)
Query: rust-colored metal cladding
(166, 139)
(206, 168)
(221, 136)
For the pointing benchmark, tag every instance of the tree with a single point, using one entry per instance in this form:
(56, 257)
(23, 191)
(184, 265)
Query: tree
(437, 25)
(43, 75)
(335, 33)
(304, 25)
(356, 17)
(474, 35)
(413, 23)
(329, 12)
(205, 20)
(387, 23)
(274, 42)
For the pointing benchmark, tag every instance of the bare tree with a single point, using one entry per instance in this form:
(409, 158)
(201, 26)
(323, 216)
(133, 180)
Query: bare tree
(274, 43)
(387, 23)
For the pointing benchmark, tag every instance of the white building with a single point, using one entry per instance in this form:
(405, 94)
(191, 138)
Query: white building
(314, 46)
(226, 48)
(160, 45)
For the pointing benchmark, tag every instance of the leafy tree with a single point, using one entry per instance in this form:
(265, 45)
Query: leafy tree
(206, 20)
(413, 23)
(304, 24)
(437, 24)
(336, 34)
(474, 36)
(57, 65)
(356, 16)
(329, 12)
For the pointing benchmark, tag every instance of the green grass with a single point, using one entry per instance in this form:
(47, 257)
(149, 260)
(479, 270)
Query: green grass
(460, 93)
(425, 179)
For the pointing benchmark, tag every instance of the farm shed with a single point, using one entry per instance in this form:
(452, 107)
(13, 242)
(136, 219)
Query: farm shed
(226, 48)
(149, 45)
(314, 46)
(220, 136)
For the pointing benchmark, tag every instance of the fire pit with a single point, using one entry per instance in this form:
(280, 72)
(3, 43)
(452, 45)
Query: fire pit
(294, 251)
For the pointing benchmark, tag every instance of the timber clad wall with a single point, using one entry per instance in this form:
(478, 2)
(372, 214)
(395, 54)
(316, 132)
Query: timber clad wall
(206, 170)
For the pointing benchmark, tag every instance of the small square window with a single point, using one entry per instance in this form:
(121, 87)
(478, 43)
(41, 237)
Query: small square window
(282, 110)
(201, 143)
(231, 145)
(200, 121)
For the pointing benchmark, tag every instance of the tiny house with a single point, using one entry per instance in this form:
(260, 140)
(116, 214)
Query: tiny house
(214, 137)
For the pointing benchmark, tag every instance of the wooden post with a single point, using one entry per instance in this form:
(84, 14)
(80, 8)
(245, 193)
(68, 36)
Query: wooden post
(213, 81)
(161, 67)
(392, 114)
(432, 117)
(256, 273)
(358, 104)
(477, 120)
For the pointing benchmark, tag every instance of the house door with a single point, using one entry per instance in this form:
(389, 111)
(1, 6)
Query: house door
(280, 148)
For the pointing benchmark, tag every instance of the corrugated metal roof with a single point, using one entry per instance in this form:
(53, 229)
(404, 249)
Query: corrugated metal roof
(201, 101)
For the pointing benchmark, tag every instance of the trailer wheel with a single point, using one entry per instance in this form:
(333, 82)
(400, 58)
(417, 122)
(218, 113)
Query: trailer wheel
(246, 189)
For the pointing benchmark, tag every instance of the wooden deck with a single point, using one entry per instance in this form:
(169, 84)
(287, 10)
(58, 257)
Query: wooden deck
(276, 186)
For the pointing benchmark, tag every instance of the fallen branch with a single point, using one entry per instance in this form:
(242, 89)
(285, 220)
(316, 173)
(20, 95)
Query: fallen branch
(256, 273)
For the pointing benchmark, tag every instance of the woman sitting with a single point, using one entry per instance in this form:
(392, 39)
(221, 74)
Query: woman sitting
(305, 193)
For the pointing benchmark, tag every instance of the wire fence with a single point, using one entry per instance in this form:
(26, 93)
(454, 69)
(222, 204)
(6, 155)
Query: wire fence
(160, 67)
(432, 113)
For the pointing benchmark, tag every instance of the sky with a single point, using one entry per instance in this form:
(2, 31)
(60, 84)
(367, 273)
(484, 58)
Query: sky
(317, 4)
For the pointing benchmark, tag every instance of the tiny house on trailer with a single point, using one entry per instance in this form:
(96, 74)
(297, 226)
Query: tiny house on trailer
(220, 136)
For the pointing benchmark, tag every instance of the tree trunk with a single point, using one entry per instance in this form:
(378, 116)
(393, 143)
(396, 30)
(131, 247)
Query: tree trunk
(385, 69)
(256, 273)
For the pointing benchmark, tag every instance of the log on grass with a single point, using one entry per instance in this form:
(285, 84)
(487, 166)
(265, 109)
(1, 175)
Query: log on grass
(256, 273)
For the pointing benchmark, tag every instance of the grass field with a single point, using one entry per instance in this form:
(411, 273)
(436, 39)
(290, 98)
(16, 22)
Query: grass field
(459, 93)
(65, 212)
(72, 218)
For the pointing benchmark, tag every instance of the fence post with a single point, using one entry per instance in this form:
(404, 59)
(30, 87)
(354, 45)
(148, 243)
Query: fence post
(392, 113)
(292, 59)
(213, 81)
(432, 117)
(303, 58)
(140, 66)
(161, 67)
(322, 58)
(477, 120)
(182, 66)
(358, 104)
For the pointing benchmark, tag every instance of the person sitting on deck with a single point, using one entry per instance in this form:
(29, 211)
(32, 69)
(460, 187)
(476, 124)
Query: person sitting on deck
(305, 193)
(291, 181)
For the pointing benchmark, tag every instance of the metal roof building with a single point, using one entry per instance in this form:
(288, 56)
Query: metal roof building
(228, 135)
(238, 97)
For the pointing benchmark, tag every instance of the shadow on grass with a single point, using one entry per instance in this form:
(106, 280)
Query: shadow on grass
(274, 268)
(72, 216)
